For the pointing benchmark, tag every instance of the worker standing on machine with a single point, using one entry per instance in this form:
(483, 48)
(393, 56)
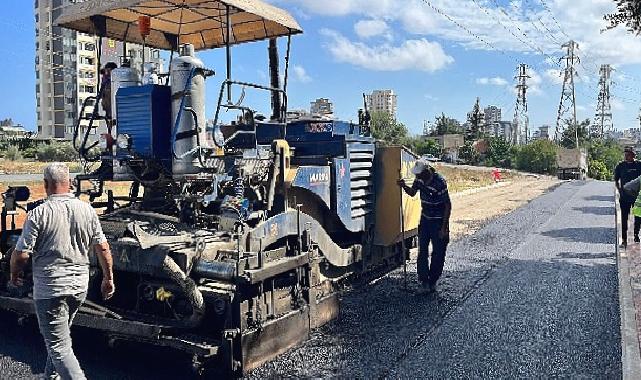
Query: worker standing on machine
(58, 235)
(434, 227)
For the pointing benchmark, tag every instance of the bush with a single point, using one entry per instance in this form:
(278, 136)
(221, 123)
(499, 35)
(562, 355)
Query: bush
(598, 171)
(606, 152)
(499, 153)
(13, 154)
(537, 157)
(62, 152)
(469, 154)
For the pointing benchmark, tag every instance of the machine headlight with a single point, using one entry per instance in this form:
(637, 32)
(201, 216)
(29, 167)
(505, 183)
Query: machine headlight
(123, 141)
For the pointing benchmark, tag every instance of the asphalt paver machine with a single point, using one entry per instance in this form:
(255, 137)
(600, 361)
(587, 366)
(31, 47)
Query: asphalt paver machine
(236, 236)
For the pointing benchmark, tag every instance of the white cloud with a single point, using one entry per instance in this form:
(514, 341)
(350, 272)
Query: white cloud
(555, 76)
(372, 28)
(300, 74)
(581, 108)
(419, 54)
(617, 105)
(503, 28)
(496, 81)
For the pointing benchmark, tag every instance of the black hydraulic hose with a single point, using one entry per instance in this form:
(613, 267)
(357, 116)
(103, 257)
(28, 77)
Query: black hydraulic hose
(189, 288)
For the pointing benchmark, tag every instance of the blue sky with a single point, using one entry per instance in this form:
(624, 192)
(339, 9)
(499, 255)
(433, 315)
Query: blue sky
(435, 63)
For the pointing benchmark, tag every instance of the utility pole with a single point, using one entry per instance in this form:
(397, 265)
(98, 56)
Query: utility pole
(520, 129)
(603, 117)
(568, 97)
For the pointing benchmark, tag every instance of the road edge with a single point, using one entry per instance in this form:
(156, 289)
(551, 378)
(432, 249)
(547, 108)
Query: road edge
(630, 351)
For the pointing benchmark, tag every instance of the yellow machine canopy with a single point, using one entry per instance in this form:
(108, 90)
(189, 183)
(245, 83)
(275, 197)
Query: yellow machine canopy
(203, 23)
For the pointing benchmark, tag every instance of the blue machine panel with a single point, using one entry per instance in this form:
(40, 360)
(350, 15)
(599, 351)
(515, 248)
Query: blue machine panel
(315, 179)
(144, 113)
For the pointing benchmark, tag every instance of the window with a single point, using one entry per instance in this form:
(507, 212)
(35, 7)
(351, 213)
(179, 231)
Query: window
(86, 61)
(85, 88)
(86, 74)
(90, 47)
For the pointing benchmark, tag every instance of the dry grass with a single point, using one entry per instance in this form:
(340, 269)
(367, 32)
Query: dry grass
(31, 167)
(459, 179)
(38, 192)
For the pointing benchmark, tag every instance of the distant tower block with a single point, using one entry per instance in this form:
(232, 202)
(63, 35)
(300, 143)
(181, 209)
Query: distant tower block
(521, 129)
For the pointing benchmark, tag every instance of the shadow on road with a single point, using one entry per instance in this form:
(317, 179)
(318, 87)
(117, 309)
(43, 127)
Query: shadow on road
(126, 361)
(596, 210)
(586, 255)
(591, 235)
(600, 198)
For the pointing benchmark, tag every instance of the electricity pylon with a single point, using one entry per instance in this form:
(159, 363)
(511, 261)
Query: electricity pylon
(568, 97)
(603, 117)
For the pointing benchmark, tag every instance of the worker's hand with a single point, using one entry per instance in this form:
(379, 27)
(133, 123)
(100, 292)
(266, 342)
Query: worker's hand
(108, 288)
(444, 233)
(17, 280)
(401, 183)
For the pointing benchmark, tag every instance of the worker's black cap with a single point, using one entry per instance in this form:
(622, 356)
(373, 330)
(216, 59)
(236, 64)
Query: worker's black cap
(111, 65)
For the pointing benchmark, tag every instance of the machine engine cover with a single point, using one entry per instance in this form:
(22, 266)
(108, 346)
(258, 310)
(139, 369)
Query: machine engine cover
(144, 114)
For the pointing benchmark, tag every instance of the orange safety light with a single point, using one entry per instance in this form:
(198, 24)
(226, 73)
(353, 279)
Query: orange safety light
(144, 25)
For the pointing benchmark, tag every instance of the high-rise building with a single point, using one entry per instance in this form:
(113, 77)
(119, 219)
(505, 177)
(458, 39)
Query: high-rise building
(67, 71)
(382, 101)
(322, 107)
(492, 115)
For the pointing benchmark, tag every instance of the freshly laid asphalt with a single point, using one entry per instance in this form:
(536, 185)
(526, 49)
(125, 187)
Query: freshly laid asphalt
(533, 294)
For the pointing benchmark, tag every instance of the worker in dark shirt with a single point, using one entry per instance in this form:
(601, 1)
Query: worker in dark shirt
(434, 227)
(626, 171)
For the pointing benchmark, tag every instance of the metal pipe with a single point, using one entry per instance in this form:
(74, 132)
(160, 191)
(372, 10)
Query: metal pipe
(228, 52)
(274, 75)
(286, 80)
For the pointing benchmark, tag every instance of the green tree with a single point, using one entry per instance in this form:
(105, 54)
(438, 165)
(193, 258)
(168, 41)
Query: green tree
(569, 136)
(387, 129)
(55, 151)
(447, 125)
(606, 152)
(598, 170)
(421, 146)
(537, 157)
(469, 154)
(13, 154)
(499, 152)
(475, 120)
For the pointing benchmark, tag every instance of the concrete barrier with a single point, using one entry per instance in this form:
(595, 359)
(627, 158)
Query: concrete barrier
(630, 352)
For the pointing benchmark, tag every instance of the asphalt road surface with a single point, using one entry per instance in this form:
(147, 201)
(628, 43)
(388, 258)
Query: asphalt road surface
(532, 294)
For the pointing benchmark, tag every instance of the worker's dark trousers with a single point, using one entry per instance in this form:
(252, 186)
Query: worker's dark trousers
(625, 218)
(429, 271)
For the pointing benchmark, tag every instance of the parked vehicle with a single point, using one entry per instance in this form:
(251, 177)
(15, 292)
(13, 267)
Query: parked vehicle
(572, 164)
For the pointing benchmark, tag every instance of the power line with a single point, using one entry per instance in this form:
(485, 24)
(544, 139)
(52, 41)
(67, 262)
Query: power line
(449, 18)
(534, 46)
(547, 8)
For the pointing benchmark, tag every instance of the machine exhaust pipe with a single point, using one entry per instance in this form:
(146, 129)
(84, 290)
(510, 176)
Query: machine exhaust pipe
(274, 75)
